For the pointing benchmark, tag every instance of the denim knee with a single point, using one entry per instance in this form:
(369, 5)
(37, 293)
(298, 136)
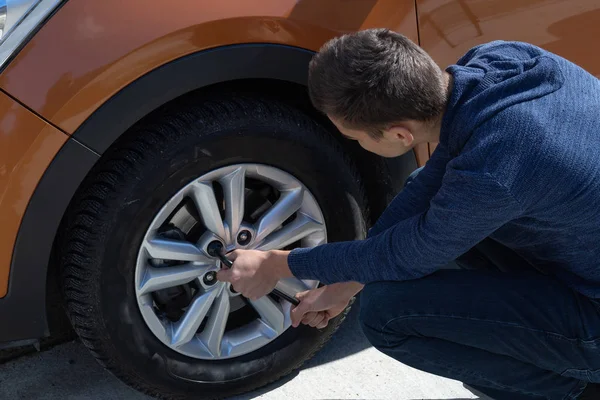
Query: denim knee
(373, 315)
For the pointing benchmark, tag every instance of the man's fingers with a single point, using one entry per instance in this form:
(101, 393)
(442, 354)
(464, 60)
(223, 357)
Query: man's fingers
(224, 275)
(299, 312)
(317, 320)
(233, 255)
(308, 304)
(301, 295)
(253, 295)
(323, 323)
(310, 317)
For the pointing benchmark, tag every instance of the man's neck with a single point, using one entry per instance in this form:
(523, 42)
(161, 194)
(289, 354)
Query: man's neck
(433, 132)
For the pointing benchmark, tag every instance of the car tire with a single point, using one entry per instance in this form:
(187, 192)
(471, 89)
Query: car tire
(106, 221)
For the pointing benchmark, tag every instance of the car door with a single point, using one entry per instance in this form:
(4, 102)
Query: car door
(570, 28)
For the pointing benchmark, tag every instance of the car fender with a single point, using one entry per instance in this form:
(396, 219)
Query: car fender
(59, 183)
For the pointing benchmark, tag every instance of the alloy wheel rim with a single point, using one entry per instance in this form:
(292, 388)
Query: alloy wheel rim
(173, 266)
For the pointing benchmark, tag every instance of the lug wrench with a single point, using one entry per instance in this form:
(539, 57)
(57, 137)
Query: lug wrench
(215, 249)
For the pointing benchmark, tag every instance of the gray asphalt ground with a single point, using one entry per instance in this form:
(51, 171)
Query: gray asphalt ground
(347, 368)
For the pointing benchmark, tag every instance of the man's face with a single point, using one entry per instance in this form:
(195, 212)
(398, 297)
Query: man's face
(394, 142)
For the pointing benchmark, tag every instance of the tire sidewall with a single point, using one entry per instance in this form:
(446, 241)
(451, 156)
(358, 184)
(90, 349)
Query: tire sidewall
(157, 175)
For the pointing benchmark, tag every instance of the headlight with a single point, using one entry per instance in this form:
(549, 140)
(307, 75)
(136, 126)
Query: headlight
(18, 18)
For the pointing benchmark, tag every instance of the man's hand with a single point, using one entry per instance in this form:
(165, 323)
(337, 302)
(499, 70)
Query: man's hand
(320, 305)
(255, 273)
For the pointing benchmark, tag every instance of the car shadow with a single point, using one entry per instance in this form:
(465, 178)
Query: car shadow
(67, 371)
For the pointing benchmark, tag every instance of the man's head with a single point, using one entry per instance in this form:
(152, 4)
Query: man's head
(379, 88)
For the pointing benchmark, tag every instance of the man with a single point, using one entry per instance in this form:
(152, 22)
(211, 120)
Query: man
(511, 194)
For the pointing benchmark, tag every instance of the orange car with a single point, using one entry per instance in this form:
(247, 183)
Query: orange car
(134, 133)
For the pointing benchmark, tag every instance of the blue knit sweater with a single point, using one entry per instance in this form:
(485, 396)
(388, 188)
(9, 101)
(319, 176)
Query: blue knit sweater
(518, 161)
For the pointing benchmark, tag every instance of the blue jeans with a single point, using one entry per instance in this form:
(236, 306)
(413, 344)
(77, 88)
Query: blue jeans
(495, 323)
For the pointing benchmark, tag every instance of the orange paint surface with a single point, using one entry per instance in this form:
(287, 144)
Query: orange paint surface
(91, 49)
(570, 28)
(27, 146)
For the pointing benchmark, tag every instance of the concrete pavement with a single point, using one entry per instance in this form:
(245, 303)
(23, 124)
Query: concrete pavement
(347, 368)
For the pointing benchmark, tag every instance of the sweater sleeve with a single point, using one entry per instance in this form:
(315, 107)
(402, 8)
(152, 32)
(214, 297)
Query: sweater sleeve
(468, 207)
(415, 197)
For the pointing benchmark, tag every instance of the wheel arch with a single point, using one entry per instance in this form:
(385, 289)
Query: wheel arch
(255, 64)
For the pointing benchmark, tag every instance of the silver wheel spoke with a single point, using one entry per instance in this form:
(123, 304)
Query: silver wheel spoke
(208, 208)
(206, 203)
(212, 335)
(176, 250)
(289, 202)
(270, 313)
(166, 277)
(185, 329)
(298, 229)
(291, 286)
(233, 189)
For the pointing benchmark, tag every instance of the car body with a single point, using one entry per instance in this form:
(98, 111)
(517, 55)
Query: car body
(90, 70)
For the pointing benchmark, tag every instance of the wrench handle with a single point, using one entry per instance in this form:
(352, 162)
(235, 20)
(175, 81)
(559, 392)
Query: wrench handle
(291, 299)
(227, 262)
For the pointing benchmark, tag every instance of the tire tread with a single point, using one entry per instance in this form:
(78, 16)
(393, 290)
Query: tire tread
(81, 235)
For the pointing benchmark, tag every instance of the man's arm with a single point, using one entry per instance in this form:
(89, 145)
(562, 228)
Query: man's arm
(468, 207)
(415, 197)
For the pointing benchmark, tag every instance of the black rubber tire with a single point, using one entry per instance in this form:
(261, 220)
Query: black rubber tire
(105, 224)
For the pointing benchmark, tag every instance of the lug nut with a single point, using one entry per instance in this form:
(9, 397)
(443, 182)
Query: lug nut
(210, 278)
(214, 248)
(244, 238)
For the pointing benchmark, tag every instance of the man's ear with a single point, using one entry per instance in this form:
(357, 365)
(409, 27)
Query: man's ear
(401, 134)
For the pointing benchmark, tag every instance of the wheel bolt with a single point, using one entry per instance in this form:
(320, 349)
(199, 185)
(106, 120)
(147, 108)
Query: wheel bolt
(214, 248)
(210, 278)
(244, 238)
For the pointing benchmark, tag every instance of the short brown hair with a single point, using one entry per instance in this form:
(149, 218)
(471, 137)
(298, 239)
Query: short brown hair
(374, 78)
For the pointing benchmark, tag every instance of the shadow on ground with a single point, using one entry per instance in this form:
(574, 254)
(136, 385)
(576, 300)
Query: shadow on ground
(70, 372)
(64, 372)
(348, 340)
